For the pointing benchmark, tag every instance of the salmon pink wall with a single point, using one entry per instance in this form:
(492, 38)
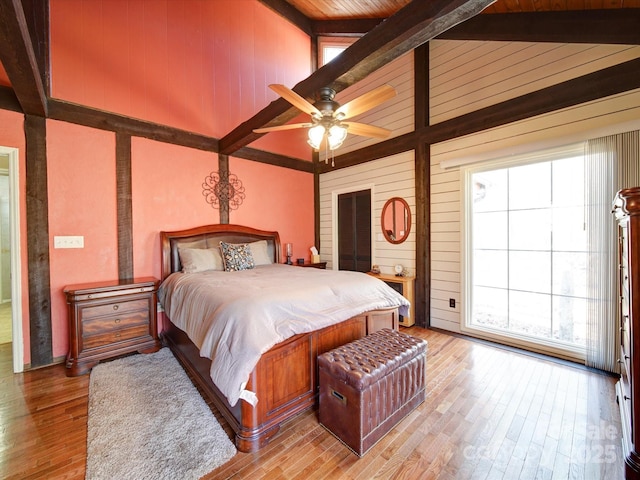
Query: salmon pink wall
(81, 177)
(202, 66)
(276, 199)
(198, 65)
(167, 195)
(12, 135)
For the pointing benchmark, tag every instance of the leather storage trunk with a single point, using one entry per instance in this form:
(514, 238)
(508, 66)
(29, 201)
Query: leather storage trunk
(369, 385)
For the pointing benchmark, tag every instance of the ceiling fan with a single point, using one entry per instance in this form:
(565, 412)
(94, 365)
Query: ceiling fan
(327, 116)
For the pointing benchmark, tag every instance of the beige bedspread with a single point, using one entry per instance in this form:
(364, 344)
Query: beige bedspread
(234, 317)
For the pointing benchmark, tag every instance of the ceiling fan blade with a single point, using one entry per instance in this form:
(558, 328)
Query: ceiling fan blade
(366, 130)
(294, 99)
(286, 126)
(367, 101)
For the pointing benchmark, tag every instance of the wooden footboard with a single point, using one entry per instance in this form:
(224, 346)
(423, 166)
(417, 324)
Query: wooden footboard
(285, 379)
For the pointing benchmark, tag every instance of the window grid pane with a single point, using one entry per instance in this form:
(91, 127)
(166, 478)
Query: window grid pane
(529, 251)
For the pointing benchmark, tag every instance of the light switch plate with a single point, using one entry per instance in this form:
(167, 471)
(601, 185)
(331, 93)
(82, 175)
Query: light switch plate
(68, 241)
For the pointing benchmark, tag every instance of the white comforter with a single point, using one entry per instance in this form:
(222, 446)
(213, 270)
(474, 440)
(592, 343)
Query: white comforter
(234, 317)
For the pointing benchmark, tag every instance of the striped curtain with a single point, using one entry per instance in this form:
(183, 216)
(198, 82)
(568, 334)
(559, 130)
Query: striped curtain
(612, 163)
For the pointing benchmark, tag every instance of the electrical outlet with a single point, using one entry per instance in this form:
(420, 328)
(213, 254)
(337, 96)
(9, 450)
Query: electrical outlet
(68, 241)
(452, 302)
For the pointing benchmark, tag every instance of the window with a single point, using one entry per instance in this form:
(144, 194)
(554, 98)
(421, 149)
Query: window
(527, 251)
(331, 47)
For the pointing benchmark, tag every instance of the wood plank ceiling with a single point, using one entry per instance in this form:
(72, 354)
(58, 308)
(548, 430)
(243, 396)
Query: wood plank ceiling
(320, 10)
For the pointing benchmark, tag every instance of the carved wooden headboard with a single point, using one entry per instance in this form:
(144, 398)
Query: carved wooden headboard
(210, 236)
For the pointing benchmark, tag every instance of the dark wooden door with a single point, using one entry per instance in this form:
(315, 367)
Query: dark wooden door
(354, 231)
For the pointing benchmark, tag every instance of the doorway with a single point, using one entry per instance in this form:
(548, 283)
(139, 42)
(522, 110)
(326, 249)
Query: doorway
(354, 231)
(10, 274)
(6, 335)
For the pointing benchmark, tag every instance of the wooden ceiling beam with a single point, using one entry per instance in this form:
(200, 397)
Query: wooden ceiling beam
(18, 59)
(413, 25)
(610, 26)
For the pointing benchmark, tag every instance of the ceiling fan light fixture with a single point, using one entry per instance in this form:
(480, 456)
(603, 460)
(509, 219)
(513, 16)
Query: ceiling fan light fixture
(327, 115)
(316, 134)
(337, 135)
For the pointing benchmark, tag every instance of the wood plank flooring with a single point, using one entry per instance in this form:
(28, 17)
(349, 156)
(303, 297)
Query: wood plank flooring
(6, 328)
(490, 413)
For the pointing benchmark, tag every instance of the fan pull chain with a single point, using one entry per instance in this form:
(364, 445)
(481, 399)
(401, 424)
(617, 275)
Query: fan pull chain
(326, 153)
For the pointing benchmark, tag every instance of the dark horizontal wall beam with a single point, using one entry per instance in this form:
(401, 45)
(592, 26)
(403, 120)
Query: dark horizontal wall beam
(376, 151)
(610, 26)
(18, 59)
(90, 117)
(411, 26)
(603, 83)
(274, 159)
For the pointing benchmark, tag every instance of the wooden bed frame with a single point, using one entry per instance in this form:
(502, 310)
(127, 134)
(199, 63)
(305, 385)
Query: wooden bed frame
(286, 377)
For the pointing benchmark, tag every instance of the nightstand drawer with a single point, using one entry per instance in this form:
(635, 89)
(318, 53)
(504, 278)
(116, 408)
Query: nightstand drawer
(114, 322)
(118, 308)
(101, 339)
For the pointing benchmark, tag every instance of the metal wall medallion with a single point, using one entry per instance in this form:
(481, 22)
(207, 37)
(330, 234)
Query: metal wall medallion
(220, 188)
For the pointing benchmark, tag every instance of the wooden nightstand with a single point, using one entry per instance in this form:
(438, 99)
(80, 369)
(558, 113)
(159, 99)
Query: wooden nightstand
(108, 319)
(322, 265)
(404, 286)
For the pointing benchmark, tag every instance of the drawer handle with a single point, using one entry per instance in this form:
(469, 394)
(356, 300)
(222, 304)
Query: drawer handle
(117, 320)
(115, 307)
(626, 398)
(117, 335)
(626, 357)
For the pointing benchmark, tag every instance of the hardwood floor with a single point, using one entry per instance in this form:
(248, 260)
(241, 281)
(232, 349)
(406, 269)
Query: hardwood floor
(6, 332)
(490, 413)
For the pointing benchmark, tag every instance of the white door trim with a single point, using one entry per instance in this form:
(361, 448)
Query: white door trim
(16, 272)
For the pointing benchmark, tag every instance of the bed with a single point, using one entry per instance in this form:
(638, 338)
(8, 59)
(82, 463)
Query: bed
(284, 380)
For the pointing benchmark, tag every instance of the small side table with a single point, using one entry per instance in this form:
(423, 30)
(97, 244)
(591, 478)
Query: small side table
(108, 319)
(405, 287)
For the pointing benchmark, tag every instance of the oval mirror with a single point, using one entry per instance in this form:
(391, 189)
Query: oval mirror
(396, 220)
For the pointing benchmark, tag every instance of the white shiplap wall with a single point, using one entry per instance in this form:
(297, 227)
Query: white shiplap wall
(466, 76)
(389, 177)
(395, 114)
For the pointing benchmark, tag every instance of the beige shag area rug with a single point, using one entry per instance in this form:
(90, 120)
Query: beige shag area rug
(148, 421)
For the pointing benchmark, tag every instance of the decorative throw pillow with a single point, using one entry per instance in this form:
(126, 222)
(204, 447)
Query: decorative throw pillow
(236, 256)
(195, 260)
(260, 253)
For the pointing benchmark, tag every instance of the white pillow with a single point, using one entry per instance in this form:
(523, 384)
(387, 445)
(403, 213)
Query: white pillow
(260, 253)
(200, 259)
